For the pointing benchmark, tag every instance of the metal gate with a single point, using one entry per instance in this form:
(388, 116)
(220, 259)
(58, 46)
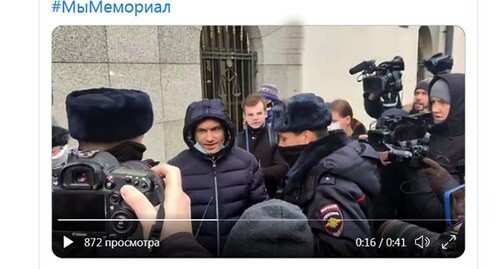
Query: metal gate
(228, 68)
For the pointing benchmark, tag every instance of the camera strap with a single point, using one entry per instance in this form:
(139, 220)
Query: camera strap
(155, 232)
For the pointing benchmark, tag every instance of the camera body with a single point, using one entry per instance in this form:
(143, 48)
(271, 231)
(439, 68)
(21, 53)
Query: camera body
(439, 63)
(86, 200)
(405, 138)
(383, 79)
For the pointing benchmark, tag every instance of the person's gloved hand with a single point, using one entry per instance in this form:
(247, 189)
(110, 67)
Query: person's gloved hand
(437, 175)
(177, 204)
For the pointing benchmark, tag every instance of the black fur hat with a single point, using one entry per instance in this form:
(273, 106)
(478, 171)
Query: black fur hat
(105, 115)
(304, 111)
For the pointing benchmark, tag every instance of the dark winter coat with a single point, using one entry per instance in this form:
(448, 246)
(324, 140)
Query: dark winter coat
(446, 147)
(262, 143)
(406, 193)
(332, 181)
(447, 144)
(220, 186)
(181, 245)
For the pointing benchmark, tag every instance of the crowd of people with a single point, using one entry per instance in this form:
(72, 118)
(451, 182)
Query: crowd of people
(300, 180)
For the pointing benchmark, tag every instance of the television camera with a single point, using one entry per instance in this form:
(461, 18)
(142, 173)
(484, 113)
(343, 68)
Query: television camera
(404, 137)
(383, 80)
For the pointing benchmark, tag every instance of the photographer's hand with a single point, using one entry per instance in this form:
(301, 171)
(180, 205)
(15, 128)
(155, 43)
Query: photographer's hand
(363, 137)
(177, 204)
(437, 175)
(384, 157)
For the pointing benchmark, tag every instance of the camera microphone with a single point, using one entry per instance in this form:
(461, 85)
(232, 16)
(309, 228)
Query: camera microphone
(361, 66)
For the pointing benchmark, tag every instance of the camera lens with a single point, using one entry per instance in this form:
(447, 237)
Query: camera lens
(419, 242)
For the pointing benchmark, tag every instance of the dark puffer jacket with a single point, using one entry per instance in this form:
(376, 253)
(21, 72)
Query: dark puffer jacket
(220, 186)
(262, 143)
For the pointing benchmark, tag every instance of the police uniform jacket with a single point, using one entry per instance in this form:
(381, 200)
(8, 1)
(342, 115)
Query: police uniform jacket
(332, 181)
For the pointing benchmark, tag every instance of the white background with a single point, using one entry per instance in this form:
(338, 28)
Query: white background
(25, 112)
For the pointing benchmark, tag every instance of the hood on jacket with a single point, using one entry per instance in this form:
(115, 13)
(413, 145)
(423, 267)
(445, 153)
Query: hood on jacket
(455, 122)
(207, 109)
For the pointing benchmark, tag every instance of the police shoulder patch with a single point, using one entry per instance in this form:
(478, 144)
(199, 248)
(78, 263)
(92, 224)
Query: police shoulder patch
(333, 221)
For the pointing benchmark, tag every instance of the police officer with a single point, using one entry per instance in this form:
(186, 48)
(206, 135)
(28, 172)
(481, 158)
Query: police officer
(114, 121)
(330, 179)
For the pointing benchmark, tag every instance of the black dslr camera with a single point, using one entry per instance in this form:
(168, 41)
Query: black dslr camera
(439, 63)
(400, 239)
(405, 138)
(86, 200)
(383, 79)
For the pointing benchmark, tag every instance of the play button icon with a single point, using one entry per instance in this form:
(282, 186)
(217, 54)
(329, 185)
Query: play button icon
(66, 241)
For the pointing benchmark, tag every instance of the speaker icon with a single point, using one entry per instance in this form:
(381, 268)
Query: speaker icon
(422, 241)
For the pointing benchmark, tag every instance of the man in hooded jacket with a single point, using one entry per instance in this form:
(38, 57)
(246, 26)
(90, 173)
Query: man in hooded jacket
(447, 142)
(220, 179)
(424, 188)
(330, 179)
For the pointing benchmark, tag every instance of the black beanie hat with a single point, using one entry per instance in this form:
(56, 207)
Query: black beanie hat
(273, 228)
(424, 84)
(106, 115)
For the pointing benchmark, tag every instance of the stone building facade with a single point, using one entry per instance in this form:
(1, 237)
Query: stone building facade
(169, 63)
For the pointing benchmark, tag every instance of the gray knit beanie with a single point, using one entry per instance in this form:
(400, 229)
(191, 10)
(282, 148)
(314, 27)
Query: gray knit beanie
(273, 228)
(440, 89)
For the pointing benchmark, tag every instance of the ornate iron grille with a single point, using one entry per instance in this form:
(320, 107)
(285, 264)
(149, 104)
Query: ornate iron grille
(228, 68)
